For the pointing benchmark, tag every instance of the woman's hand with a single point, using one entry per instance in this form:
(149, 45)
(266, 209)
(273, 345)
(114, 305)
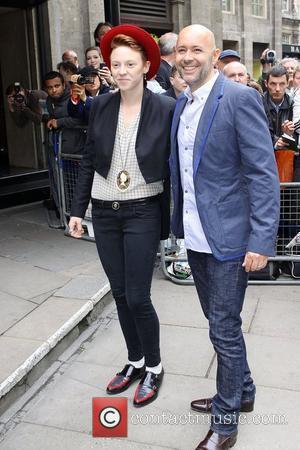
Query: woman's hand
(106, 74)
(75, 227)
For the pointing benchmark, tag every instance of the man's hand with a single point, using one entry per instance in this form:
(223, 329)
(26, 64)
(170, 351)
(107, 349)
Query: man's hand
(281, 144)
(78, 91)
(75, 227)
(52, 123)
(254, 261)
(266, 67)
(11, 103)
(288, 127)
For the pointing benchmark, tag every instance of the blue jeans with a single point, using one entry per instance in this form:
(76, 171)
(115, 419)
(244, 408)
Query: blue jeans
(221, 289)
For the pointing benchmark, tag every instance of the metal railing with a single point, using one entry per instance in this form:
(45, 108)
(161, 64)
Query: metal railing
(66, 168)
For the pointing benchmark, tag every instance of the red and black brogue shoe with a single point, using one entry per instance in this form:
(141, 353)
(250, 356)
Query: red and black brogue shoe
(148, 388)
(122, 380)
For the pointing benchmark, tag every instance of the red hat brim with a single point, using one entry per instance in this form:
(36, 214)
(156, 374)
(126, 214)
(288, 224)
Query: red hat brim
(142, 37)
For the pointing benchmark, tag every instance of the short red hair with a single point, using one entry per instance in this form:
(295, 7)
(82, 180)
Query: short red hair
(121, 40)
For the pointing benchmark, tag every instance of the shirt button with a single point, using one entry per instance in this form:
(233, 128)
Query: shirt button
(187, 127)
(186, 191)
(186, 148)
(186, 212)
(185, 170)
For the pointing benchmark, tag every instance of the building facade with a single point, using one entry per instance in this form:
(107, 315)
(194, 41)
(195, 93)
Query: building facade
(290, 28)
(34, 34)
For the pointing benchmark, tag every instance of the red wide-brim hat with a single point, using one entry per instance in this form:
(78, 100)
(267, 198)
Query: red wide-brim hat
(142, 37)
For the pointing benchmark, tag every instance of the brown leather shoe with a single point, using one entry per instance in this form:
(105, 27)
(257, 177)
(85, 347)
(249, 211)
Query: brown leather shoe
(215, 441)
(203, 405)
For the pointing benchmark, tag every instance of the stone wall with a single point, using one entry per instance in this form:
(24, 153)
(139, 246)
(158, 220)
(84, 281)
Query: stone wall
(72, 24)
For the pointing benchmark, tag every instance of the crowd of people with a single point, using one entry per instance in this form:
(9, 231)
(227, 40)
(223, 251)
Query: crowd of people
(186, 107)
(65, 103)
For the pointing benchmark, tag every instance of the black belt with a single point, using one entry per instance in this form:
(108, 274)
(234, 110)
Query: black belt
(117, 204)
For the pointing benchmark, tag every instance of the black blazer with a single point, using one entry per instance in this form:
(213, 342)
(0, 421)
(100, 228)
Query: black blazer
(163, 75)
(152, 147)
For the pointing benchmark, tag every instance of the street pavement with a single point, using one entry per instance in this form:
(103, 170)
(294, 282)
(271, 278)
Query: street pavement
(46, 280)
(56, 414)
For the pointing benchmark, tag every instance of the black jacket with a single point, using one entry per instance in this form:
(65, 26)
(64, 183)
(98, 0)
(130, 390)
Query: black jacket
(163, 74)
(73, 139)
(170, 93)
(275, 118)
(152, 146)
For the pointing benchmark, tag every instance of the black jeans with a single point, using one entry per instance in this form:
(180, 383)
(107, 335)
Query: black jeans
(127, 242)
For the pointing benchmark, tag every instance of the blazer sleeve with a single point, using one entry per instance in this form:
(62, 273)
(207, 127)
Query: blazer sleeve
(82, 193)
(260, 172)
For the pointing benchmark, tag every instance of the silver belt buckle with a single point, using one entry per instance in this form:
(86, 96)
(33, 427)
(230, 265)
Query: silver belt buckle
(115, 206)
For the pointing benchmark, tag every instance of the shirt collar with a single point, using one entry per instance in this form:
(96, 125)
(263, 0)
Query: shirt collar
(202, 91)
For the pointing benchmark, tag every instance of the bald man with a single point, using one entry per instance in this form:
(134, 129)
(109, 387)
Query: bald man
(237, 72)
(226, 206)
(70, 55)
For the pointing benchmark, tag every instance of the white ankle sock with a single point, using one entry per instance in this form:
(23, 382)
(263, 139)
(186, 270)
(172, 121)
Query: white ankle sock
(137, 364)
(156, 369)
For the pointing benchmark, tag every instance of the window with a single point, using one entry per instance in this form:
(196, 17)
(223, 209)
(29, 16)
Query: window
(228, 6)
(285, 5)
(286, 38)
(259, 8)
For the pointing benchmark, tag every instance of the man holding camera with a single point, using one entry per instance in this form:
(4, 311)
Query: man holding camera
(279, 108)
(72, 136)
(58, 117)
(24, 105)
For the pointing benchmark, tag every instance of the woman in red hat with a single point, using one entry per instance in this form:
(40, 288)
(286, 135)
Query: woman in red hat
(125, 171)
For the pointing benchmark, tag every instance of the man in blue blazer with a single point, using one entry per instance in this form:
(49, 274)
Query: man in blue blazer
(226, 206)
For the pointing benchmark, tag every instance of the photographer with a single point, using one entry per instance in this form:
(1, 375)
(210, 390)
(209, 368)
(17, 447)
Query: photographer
(72, 137)
(23, 104)
(279, 107)
(84, 87)
(58, 117)
(93, 58)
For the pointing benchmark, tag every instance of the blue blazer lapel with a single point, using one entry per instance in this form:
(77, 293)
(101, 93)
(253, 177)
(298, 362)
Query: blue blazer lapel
(206, 120)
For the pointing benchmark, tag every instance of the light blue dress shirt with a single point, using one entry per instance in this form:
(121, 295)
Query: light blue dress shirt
(193, 232)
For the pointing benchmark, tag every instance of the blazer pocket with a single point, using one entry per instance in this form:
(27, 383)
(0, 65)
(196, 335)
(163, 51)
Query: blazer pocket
(234, 218)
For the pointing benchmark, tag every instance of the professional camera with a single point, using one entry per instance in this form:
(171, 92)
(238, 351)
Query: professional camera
(18, 97)
(82, 79)
(270, 56)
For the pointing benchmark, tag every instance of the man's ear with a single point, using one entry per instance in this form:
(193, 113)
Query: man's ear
(216, 55)
(266, 83)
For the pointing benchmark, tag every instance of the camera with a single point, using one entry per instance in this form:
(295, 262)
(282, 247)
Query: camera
(270, 56)
(82, 79)
(18, 97)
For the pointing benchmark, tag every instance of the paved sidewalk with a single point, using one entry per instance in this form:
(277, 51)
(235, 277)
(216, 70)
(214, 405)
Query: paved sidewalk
(47, 281)
(59, 415)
